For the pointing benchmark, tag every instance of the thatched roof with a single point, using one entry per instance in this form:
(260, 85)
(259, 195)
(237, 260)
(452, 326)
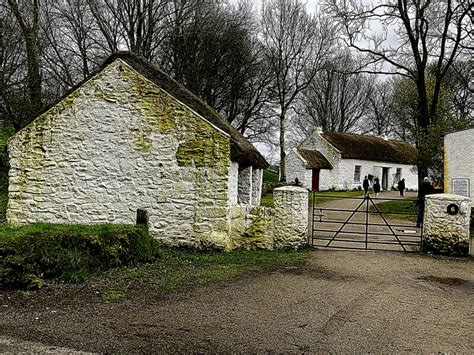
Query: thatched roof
(355, 146)
(314, 159)
(242, 151)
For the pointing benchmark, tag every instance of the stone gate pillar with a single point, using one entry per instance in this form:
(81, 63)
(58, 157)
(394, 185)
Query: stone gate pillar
(291, 217)
(446, 224)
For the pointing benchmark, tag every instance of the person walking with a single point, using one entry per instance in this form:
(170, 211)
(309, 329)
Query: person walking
(376, 186)
(425, 189)
(365, 186)
(401, 187)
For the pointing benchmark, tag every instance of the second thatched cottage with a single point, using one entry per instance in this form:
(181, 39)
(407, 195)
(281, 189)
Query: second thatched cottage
(332, 160)
(131, 145)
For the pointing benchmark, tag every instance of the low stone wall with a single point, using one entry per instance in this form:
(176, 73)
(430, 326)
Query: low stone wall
(283, 227)
(446, 224)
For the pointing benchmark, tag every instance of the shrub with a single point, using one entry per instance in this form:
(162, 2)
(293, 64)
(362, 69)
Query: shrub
(70, 253)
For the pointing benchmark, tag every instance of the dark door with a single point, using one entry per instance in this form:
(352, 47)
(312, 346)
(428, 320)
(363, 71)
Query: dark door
(385, 179)
(315, 186)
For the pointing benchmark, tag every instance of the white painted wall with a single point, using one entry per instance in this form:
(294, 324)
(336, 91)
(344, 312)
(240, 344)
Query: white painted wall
(107, 150)
(233, 183)
(296, 168)
(245, 186)
(257, 181)
(341, 177)
(347, 168)
(459, 159)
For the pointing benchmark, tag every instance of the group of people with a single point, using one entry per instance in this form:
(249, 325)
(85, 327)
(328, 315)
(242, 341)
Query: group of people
(425, 189)
(375, 185)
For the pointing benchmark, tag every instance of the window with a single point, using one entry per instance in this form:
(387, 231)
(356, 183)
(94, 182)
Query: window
(357, 173)
(398, 176)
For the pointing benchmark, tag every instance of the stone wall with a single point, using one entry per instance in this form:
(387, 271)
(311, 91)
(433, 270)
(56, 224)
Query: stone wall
(245, 186)
(233, 183)
(116, 145)
(444, 233)
(282, 227)
(257, 181)
(296, 168)
(291, 217)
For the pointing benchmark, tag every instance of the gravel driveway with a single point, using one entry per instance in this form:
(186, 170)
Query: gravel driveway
(340, 301)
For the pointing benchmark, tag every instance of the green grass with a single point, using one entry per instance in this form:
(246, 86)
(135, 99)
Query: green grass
(399, 206)
(270, 176)
(3, 193)
(118, 256)
(70, 253)
(267, 199)
(181, 269)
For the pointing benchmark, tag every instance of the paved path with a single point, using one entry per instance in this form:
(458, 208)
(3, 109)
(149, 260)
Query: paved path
(340, 302)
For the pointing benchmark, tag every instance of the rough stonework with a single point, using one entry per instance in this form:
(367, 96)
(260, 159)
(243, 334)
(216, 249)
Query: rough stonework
(444, 233)
(291, 217)
(130, 142)
(251, 228)
(245, 186)
(282, 227)
(117, 145)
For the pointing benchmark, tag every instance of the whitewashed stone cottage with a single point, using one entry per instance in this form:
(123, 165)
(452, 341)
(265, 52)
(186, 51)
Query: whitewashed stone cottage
(130, 145)
(459, 163)
(331, 160)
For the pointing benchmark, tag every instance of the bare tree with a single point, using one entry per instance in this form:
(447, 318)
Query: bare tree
(337, 99)
(213, 49)
(426, 31)
(378, 119)
(13, 94)
(297, 44)
(136, 24)
(27, 15)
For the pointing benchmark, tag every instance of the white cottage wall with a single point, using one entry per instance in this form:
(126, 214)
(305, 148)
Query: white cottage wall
(296, 168)
(233, 183)
(257, 181)
(347, 169)
(245, 186)
(108, 149)
(458, 159)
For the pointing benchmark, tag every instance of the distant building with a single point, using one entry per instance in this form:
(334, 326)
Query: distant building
(131, 145)
(459, 163)
(332, 160)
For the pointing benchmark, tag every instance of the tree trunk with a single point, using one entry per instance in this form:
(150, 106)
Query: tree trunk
(34, 76)
(282, 147)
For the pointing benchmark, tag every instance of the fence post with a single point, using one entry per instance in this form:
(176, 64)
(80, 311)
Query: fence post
(446, 224)
(291, 217)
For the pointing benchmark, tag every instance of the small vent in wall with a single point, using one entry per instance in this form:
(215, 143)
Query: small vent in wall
(142, 217)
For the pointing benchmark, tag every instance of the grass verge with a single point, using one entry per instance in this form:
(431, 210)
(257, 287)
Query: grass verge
(267, 199)
(183, 269)
(408, 208)
(71, 253)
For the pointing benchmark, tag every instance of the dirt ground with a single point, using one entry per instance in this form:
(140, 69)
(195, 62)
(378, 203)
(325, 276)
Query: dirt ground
(341, 301)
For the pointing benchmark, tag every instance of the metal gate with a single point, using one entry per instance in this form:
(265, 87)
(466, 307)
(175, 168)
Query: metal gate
(358, 223)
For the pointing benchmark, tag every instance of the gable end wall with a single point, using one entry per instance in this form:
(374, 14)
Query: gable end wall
(118, 144)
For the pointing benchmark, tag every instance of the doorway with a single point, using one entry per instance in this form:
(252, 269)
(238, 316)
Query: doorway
(385, 178)
(315, 183)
